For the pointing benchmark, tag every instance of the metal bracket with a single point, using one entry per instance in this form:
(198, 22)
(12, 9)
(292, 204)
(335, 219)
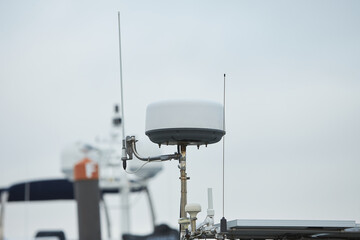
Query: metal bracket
(130, 149)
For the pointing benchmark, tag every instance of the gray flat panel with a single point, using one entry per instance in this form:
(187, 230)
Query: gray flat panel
(246, 223)
(254, 229)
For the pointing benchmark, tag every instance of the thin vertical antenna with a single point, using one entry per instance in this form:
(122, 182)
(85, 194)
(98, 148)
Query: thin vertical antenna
(121, 82)
(223, 221)
(224, 151)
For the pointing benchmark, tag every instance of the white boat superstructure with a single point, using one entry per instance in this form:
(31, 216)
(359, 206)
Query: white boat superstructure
(106, 153)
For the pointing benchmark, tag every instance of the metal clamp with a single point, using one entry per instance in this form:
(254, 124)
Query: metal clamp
(129, 149)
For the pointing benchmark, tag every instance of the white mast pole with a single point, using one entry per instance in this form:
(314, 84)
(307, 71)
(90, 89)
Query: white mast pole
(124, 182)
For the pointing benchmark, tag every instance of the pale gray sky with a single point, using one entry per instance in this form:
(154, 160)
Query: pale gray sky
(293, 102)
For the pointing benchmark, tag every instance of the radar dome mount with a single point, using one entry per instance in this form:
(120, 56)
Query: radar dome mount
(181, 123)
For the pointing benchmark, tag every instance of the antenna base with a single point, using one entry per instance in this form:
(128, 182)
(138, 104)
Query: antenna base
(223, 225)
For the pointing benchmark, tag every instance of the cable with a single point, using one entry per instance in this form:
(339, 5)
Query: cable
(129, 172)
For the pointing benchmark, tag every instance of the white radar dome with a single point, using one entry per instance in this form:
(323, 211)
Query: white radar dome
(184, 122)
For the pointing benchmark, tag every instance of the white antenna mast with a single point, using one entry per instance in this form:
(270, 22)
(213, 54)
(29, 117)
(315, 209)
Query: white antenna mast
(121, 81)
(122, 98)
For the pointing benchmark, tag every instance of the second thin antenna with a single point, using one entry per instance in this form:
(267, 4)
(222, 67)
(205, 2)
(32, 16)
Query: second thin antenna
(224, 151)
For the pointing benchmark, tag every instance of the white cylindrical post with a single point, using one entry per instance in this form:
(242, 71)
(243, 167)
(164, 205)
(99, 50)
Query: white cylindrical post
(124, 203)
(3, 199)
(210, 199)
